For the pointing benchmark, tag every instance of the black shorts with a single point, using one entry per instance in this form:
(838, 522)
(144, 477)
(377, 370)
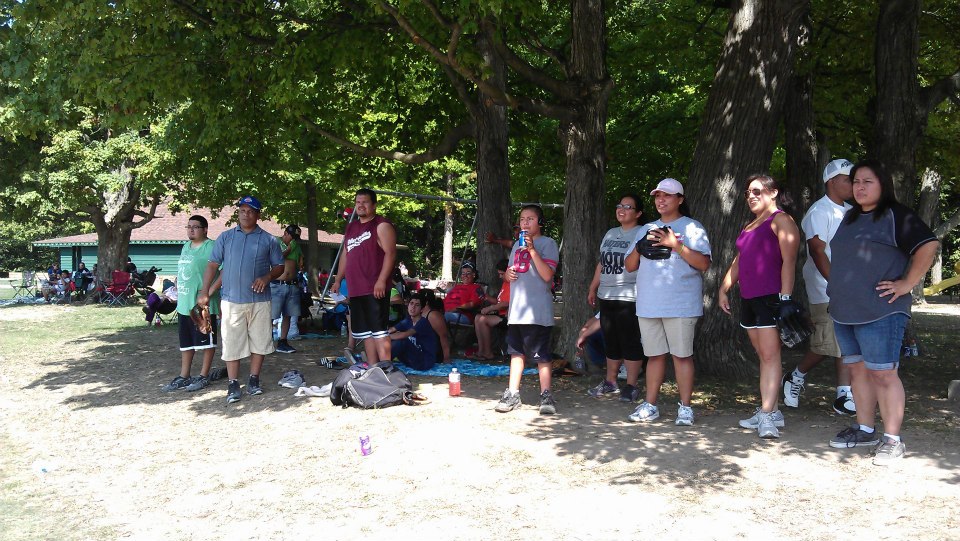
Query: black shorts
(369, 316)
(759, 312)
(192, 338)
(530, 341)
(621, 331)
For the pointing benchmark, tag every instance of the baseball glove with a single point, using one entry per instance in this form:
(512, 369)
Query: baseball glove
(792, 324)
(648, 250)
(201, 318)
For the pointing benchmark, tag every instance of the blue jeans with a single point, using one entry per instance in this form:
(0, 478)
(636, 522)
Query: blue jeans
(877, 344)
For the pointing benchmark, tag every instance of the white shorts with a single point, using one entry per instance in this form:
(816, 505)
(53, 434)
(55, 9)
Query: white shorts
(245, 329)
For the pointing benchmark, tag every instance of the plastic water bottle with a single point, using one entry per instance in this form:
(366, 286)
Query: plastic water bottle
(454, 380)
(343, 330)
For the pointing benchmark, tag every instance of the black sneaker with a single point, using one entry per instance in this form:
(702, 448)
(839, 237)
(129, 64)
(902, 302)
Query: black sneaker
(548, 406)
(233, 392)
(629, 393)
(284, 347)
(854, 437)
(217, 373)
(508, 402)
(253, 386)
(178, 383)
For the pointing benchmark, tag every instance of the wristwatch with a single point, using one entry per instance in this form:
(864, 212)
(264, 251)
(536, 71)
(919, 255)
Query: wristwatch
(784, 297)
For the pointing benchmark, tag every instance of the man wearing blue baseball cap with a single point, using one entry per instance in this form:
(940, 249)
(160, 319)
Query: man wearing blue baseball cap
(248, 258)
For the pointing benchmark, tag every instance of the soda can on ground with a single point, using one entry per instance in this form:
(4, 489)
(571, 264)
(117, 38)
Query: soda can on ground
(365, 447)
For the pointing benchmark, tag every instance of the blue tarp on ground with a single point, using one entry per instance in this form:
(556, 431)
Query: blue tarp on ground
(464, 366)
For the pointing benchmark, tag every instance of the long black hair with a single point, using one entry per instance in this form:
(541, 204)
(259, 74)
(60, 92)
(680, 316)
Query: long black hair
(637, 204)
(888, 195)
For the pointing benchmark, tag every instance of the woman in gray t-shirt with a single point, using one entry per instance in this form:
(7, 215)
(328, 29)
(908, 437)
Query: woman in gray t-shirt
(613, 289)
(669, 297)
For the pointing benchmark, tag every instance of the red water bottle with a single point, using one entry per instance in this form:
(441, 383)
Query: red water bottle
(454, 380)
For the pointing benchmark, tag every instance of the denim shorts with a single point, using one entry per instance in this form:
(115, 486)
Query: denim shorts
(877, 343)
(284, 300)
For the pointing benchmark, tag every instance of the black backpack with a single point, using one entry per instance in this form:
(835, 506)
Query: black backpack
(380, 386)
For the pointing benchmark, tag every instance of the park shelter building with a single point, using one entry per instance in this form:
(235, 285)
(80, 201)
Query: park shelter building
(158, 243)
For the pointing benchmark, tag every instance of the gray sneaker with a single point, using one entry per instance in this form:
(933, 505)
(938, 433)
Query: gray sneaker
(548, 406)
(645, 412)
(508, 402)
(197, 383)
(854, 437)
(178, 383)
(605, 388)
(766, 428)
(888, 452)
(233, 392)
(253, 386)
(754, 422)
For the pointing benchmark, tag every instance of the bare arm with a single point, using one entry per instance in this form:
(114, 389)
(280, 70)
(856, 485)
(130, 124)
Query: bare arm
(591, 326)
(730, 278)
(203, 299)
(594, 286)
(387, 238)
(789, 238)
(632, 261)
(920, 263)
(817, 250)
(544, 271)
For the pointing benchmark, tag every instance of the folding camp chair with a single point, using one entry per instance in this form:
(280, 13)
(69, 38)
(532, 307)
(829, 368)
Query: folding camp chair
(26, 286)
(118, 292)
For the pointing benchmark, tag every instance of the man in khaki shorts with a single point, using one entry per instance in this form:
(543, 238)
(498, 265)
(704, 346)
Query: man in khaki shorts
(819, 225)
(248, 258)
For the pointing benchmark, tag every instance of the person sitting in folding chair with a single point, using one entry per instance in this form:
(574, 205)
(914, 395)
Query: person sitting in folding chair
(464, 299)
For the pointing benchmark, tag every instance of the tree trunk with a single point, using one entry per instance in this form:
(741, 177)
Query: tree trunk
(736, 139)
(113, 222)
(927, 209)
(584, 144)
(313, 237)
(803, 178)
(899, 123)
(493, 172)
(447, 265)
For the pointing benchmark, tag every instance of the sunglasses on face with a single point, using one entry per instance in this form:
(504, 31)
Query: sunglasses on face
(754, 191)
(626, 207)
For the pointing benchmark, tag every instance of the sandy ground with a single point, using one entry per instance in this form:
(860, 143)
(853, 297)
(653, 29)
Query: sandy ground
(92, 449)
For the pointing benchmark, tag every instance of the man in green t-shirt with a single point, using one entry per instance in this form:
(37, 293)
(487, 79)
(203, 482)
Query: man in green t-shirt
(284, 291)
(190, 267)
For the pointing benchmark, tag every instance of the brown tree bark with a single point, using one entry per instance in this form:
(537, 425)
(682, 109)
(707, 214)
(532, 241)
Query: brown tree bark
(493, 170)
(115, 219)
(899, 122)
(737, 138)
(584, 143)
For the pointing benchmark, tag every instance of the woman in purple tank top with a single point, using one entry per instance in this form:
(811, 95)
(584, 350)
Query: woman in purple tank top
(764, 268)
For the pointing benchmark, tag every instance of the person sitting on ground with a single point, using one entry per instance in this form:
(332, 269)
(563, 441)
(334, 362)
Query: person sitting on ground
(414, 341)
(130, 267)
(53, 272)
(433, 311)
(463, 299)
(590, 342)
(494, 315)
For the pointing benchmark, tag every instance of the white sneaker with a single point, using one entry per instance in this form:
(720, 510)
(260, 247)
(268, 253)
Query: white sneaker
(844, 404)
(792, 387)
(645, 412)
(753, 422)
(684, 415)
(767, 429)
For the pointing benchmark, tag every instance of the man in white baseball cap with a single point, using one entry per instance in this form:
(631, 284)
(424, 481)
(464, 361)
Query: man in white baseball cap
(819, 225)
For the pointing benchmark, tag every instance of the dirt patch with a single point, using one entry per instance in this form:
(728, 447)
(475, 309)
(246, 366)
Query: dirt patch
(93, 450)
